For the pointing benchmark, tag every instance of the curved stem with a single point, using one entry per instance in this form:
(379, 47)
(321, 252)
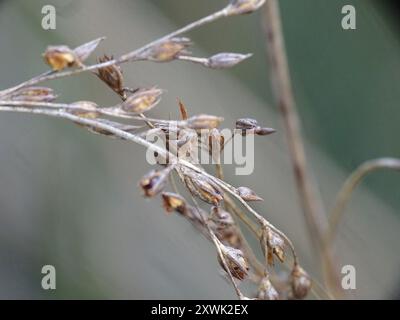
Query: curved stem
(349, 186)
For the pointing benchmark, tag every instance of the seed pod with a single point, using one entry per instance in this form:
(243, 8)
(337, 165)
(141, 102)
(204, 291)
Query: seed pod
(39, 94)
(235, 261)
(167, 50)
(85, 109)
(266, 290)
(247, 194)
(244, 6)
(221, 218)
(173, 202)
(246, 124)
(111, 75)
(272, 244)
(154, 181)
(142, 101)
(204, 121)
(85, 50)
(263, 131)
(301, 282)
(216, 143)
(202, 187)
(226, 60)
(59, 57)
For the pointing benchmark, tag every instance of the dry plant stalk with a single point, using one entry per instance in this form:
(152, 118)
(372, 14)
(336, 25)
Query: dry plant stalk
(224, 205)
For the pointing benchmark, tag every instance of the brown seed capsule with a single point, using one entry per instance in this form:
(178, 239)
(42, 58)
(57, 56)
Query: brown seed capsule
(264, 131)
(246, 124)
(39, 94)
(244, 6)
(167, 50)
(85, 109)
(174, 202)
(59, 57)
(85, 50)
(301, 282)
(202, 187)
(216, 142)
(111, 75)
(235, 261)
(154, 181)
(247, 194)
(272, 244)
(266, 290)
(226, 60)
(204, 121)
(221, 218)
(142, 100)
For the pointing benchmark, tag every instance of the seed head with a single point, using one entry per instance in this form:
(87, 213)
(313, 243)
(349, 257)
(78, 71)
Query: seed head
(39, 94)
(266, 290)
(272, 244)
(226, 60)
(85, 109)
(250, 126)
(142, 100)
(204, 121)
(167, 50)
(154, 181)
(244, 6)
(235, 261)
(216, 142)
(247, 194)
(174, 202)
(221, 218)
(202, 187)
(246, 124)
(301, 282)
(59, 57)
(111, 75)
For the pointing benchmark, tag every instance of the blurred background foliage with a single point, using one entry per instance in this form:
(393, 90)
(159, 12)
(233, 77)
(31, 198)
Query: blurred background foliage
(70, 199)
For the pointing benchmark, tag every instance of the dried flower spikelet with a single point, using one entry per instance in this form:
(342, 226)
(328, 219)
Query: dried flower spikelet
(167, 50)
(272, 245)
(39, 94)
(226, 60)
(235, 261)
(264, 131)
(174, 202)
(111, 75)
(85, 50)
(301, 282)
(221, 218)
(266, 290)
(216, 142)
(247, 194)
(154, 182)
(203, 187)
(250, 126)
(246, 124)
(59, 57)
(204, 121)
(244, 6)
(142, 101)
(84, 109)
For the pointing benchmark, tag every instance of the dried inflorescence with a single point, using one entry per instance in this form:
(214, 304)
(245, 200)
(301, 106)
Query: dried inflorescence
(219, 222)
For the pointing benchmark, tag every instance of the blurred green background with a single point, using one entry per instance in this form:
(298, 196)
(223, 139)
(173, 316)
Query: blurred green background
(70, 199)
